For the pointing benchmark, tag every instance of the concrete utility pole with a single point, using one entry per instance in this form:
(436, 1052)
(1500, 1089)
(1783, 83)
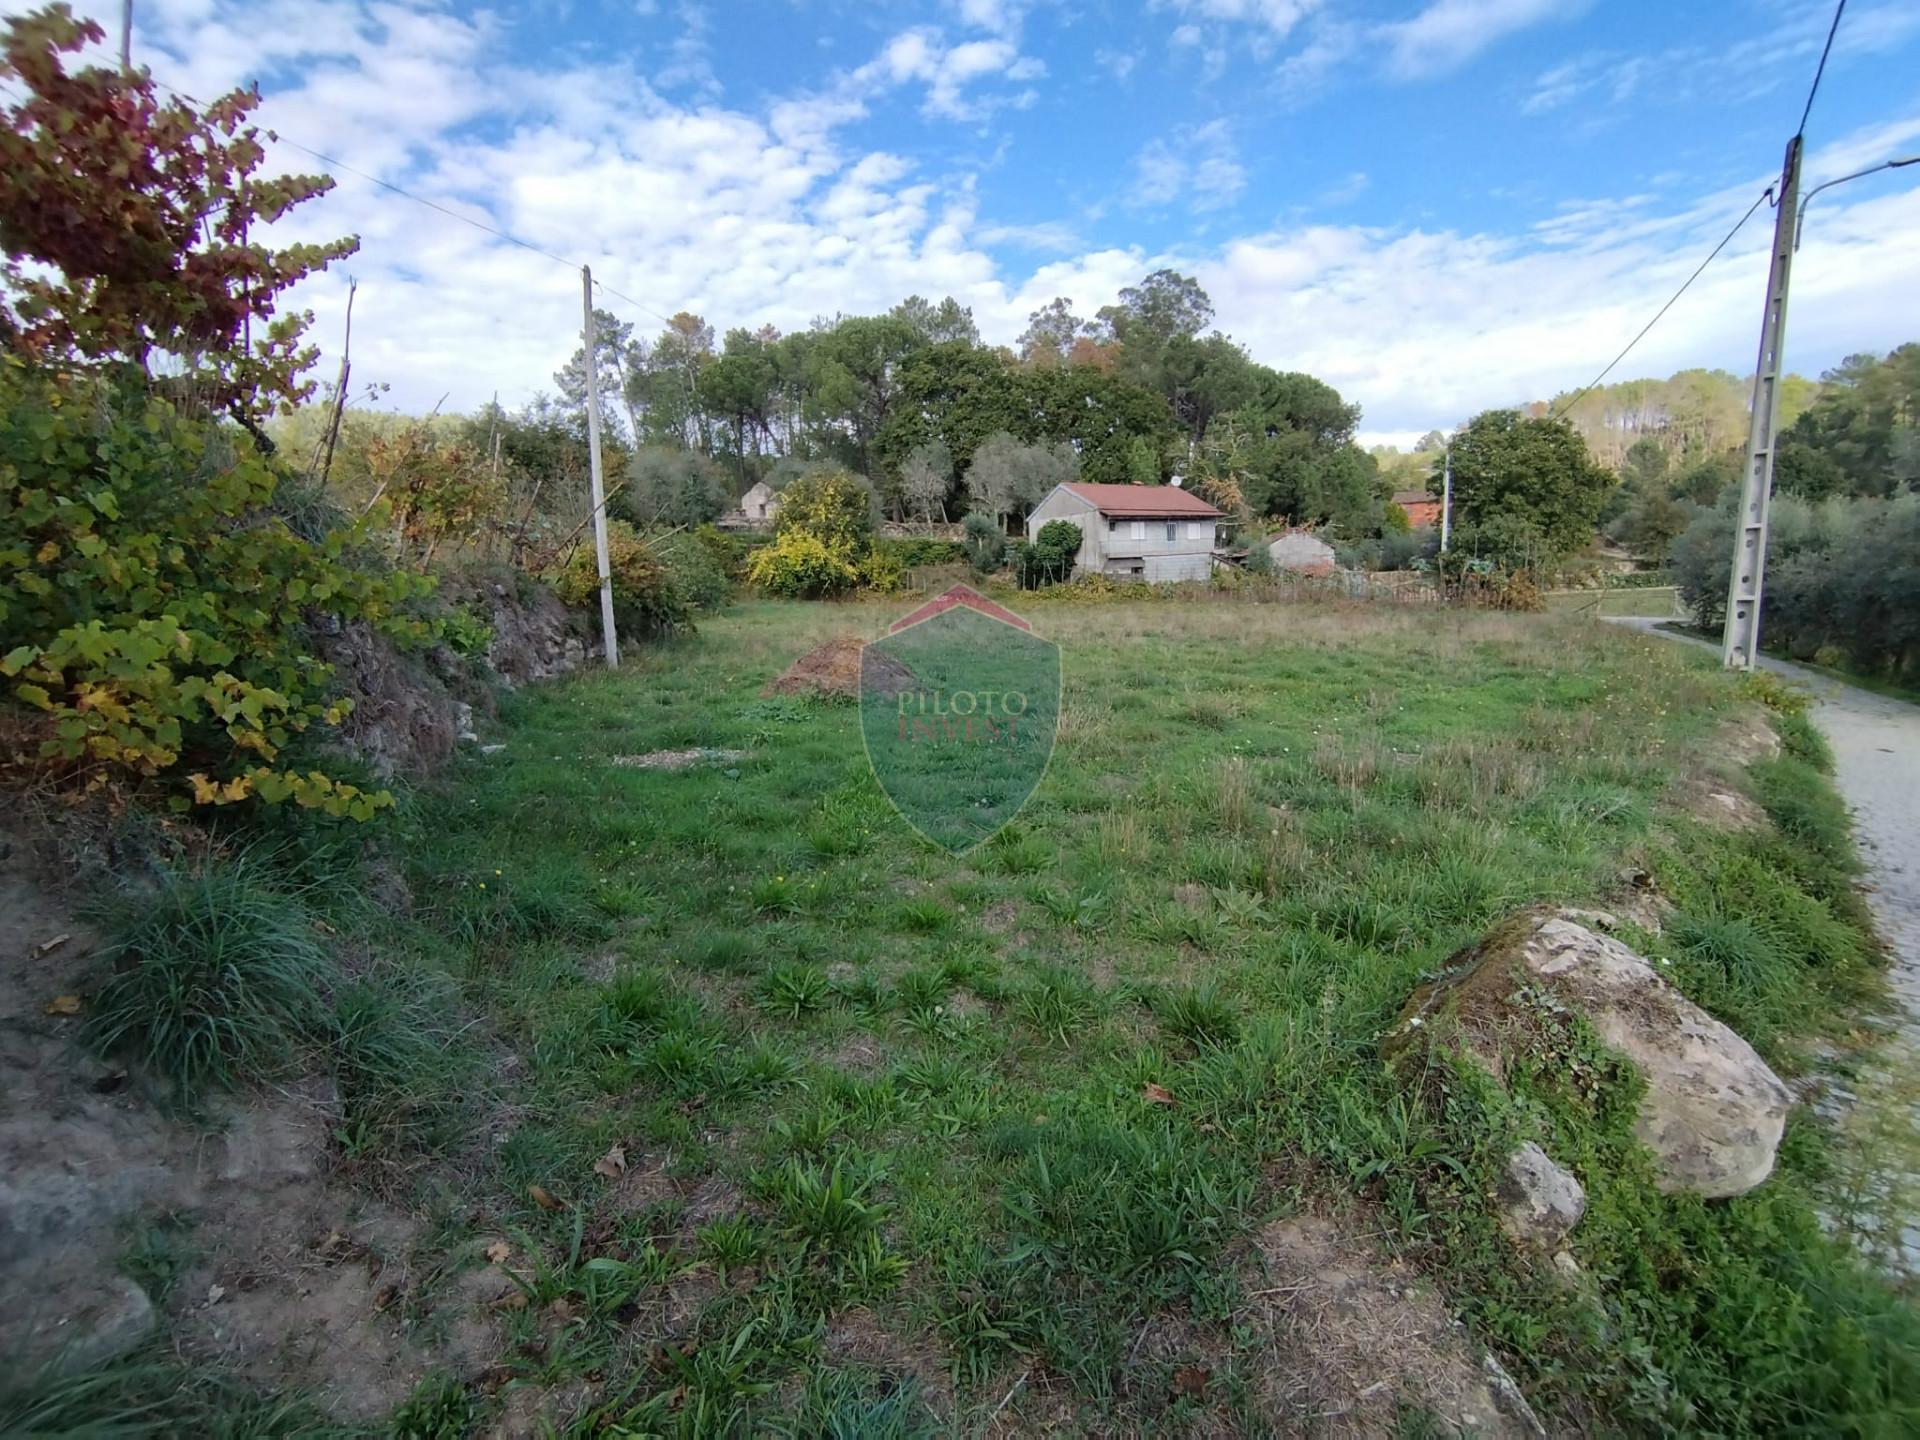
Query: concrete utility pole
(609, 638)
(126, 35)
(1446, 501)
(1740, 643)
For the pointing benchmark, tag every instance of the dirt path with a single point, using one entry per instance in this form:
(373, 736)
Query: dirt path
(1876, 766)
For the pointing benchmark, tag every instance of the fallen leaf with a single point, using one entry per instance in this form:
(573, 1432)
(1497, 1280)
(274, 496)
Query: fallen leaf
(1191, 1381)
(613, 1164)
(215, 1294)
(47, 947)
(540, 1196)
(499, 1251)
(1156, 1094)
(383, 1298)
(64, 1005)
(516, 1301)
(560, 1309)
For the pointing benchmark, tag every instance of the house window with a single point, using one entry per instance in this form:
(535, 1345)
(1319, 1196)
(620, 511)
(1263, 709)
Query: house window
(1139, 529)
(1173, 529)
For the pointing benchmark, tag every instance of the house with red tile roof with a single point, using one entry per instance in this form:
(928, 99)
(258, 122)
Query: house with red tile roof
(1422, 509)
(1135, 532)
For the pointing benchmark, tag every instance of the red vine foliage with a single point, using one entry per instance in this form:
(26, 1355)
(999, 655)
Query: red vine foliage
(132, 228)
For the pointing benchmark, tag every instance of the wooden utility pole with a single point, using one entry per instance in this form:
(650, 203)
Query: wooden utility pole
(1446, 500)
(1740, 643)
(609, 638)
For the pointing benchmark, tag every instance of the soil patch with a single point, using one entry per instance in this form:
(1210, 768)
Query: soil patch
(680, 759)
(1351, 1337)
(836, 669)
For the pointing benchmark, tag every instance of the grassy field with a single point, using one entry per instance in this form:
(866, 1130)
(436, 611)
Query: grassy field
(1657, 602)
(861, 1087)
(792, 1121)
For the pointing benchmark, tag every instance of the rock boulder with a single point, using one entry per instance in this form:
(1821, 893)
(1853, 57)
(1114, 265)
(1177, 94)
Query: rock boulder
(1713, 1111)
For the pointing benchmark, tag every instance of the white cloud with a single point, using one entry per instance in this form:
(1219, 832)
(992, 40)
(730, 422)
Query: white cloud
(1448, 33)
(1275, 16)
(922, 55)
(1197, 165)
(775, 215)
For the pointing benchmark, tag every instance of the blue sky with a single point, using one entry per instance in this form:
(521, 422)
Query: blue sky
(1436, 205)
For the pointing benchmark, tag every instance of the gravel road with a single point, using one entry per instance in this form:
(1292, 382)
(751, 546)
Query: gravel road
(1876, 766)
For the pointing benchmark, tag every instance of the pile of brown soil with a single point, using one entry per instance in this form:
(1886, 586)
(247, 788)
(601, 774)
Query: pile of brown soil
(835, 669)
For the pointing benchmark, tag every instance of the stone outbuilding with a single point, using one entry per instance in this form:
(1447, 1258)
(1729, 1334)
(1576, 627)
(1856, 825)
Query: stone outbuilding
(1299, 552)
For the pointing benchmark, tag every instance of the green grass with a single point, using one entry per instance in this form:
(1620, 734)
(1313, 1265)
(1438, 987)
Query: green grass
(1650, 601)
(931, 1091)
(216, 976)
(1261, 826)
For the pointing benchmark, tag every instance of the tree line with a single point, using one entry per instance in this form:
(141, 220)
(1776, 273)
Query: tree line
(941, 424)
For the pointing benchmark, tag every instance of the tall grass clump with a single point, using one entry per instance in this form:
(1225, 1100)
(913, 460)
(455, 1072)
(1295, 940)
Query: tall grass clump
(216, 977)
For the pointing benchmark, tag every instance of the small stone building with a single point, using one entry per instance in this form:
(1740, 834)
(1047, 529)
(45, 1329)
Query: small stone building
(1299, 552)
(760, 504)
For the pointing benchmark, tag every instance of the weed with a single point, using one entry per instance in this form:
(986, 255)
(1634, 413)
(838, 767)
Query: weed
(217, 977)
(1198, 1014)
(794, 989)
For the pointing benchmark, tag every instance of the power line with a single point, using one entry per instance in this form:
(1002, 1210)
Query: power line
(1821, 69)
(1560, 410)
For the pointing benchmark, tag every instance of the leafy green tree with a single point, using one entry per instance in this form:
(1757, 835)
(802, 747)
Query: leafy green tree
(926, 478)
(1008, 477)
(667, 486)
(737, 388)
(986, 542)
(947, 323)
(1302, 462)
(614, 349)
(1048, 559)
(1161, 307)
(1527, 485)
(1050, 334)
(1858, 436)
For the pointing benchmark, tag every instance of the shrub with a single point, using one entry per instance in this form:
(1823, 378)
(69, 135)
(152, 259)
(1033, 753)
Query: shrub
(800, 566)
(696, 571)
(645, 601)
(666, 486)
(440, 492)
(986, 542)
(835, 507)
(216, 978)
(1840, 578)
(159, 605)
(729, 551)
(882, 570)
(1048, 560)
(917, 550)
(465, 632)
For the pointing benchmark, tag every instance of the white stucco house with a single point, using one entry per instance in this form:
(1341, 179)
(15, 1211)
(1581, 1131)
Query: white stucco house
(1134, 532)
(760, 503)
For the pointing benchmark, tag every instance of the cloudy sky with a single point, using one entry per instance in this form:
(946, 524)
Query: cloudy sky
(1436, 205)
